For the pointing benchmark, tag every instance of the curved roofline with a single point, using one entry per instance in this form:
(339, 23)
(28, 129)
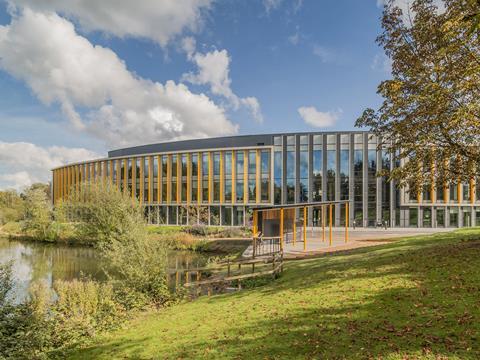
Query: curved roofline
(214, 142)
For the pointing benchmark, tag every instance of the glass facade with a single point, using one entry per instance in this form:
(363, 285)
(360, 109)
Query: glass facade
(220, 184)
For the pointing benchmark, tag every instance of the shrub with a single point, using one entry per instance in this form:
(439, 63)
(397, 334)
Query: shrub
(140, 264)
(38, 214)
(103, 213)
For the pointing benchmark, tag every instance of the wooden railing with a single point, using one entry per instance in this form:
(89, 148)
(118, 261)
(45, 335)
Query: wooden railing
(263, 246)
(221, 276)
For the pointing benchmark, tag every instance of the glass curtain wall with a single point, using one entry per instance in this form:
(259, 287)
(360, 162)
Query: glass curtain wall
(194, 180)
(216, 177)
(386, 187)
(317, 168)
(331, 166)
(372, 181)
(303, 168)
(228, 177)
(291, 178)
(358, 180)
(164, 178)
(265, 175)
(252, 176)
(277, 169)
(240, 170)
(205, 172)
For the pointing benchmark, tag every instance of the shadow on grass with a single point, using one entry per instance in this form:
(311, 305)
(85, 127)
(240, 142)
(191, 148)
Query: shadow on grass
(417, 298)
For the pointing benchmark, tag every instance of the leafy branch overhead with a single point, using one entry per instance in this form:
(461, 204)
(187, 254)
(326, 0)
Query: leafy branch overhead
(429, 118)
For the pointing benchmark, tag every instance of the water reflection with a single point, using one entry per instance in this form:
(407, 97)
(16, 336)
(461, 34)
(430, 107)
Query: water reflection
(50, 262)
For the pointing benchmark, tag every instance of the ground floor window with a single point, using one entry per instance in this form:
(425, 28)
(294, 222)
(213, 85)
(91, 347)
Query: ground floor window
(427, 217)
(441, 217)
(413, 217)
(467, 217)
(453, 217)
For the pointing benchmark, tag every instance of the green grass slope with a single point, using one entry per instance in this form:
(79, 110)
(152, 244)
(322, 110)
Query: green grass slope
(414, 298)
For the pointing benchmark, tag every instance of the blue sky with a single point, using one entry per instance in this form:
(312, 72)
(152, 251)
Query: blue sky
(234, 67)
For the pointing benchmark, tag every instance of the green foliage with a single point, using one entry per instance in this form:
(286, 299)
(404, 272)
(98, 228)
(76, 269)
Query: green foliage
(102, 213)
(38, 214)
(44, 328)
(415, 298)
(430, 111)
(11, 207)
(139, 264)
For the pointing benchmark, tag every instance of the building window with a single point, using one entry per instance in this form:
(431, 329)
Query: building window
(252, 176)
(441, 217)
(194, 190)
(173, 178)
(164, 178)
(290, 169)
(239, 186)
(358, 186)
(155, 179)
(453, 217)
(265, 175)
(205, 178)
(317, 168)
(344, 174)
(277, 173)
(372, 186)
(386, 187)
(146, 181)
(303, 169)
(184, 177)
(216, 177)
(413, 217)
(228, 177)
(331, 166)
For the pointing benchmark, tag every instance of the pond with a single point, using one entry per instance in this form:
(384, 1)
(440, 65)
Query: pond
(49, 262)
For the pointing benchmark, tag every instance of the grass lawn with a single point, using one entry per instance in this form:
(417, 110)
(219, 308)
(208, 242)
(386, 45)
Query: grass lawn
(413, 298)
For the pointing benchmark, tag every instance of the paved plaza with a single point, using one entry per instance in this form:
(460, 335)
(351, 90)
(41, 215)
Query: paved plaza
(360, 237)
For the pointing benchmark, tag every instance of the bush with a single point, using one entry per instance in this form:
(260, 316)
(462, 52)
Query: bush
(140, 264)
(12, 228)
(43, 328)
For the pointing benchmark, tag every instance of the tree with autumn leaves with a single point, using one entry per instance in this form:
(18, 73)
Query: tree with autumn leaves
(430, 115)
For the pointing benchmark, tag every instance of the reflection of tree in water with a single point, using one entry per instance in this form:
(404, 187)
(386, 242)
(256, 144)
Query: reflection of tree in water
(54, 262)
(51, 262)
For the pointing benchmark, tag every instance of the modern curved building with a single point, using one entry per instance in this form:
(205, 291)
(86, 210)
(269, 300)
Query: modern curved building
(216, 181)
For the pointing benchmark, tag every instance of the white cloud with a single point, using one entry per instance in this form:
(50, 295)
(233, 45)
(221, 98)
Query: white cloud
(316, 118)
(326, 55)
(271, 5)
(157, 20)
(121, 108)
(23, 164)
(382, 62)
(405, 6)
(214, 71)
(294, 39)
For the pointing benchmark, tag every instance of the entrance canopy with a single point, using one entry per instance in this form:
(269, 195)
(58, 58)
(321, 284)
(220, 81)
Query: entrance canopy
(284, 220)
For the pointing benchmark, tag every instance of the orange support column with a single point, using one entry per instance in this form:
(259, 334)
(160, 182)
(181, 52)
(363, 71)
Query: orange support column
(255, 222)
(330, 224)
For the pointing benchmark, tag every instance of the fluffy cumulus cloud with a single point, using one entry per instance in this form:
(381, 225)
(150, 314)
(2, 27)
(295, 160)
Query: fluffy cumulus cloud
(23, 164)
(320, 119)
(117, 106)
(214, 71)
(156, 20)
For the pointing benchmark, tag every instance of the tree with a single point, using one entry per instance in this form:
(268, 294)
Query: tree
(38, 213)
(429, 118)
